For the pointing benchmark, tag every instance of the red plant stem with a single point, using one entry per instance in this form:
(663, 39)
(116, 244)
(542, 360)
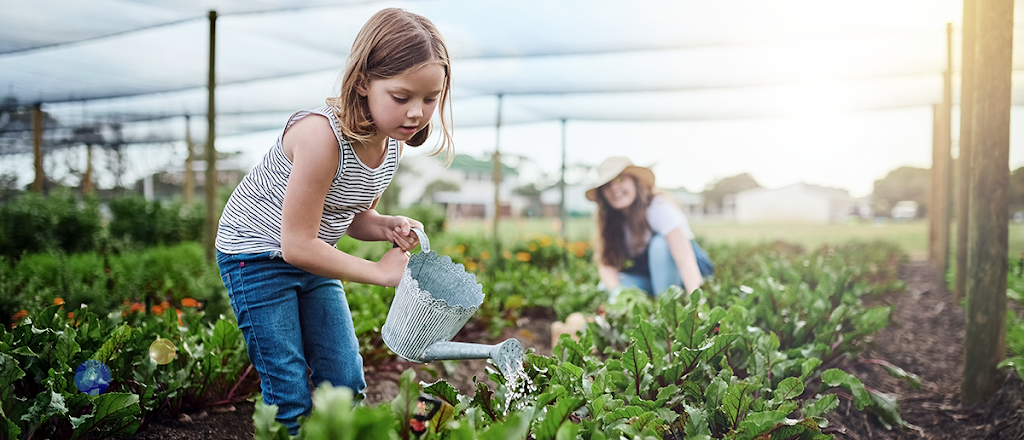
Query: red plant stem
(239, 382)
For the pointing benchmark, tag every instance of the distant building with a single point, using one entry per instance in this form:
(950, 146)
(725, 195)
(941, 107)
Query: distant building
(797, 203)
(475, 182)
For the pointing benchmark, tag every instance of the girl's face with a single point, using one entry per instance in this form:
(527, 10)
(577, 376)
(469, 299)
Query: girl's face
(620, 192)
(403, 105)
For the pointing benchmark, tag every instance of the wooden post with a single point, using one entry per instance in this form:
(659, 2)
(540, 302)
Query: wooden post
(966, 129)
(933, 187)
(988, 247)
(497, 177)
(211, 151)
(37, 147)
(562, 214)
(87, 178)
(190, 174)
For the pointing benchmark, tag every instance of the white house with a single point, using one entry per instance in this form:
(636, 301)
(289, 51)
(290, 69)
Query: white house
(797, 203)
(473, 177)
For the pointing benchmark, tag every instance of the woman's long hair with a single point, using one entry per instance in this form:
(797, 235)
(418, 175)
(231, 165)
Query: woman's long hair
(611, 248)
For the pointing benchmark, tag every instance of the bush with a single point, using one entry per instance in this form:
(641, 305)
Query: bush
(36, 223)
(149, 223)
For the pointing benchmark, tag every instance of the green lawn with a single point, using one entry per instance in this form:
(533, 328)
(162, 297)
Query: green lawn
(912, 236)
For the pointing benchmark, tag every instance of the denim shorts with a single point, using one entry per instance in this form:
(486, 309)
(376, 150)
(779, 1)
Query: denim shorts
(292, 320)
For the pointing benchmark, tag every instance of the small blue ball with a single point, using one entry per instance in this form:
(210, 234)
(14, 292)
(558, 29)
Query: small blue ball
(92, 377)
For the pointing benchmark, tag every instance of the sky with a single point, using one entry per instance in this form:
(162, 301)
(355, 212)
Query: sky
(817, 91)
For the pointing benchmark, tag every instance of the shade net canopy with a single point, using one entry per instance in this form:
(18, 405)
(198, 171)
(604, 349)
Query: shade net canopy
(129, 71)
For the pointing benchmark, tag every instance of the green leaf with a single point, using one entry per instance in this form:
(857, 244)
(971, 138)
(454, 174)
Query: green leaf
(835, 377)
(265, 422)
(404, 404)
(635, 362)
(808, 367)
(118, 337)
(558, 414)
(10, 373)
(225, 335)
(624, 413)
(116, 413)
(820, 407)
(736, 402)
(899, 373)
(789, 388)
(648, 339)
(888, 411)
(444, 391)
(44, 407)
(66, 347)
(484, 400)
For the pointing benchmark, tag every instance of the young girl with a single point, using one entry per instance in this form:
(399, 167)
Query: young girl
(643, 240)
(321, 180)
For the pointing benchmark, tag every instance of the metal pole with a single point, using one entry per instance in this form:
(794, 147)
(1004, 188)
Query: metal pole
(497, 175)
(211, 151)
(37, 147)
(562, 214)
(988, 246)
(190, 176)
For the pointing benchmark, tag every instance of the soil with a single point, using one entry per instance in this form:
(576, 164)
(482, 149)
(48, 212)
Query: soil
(925, 337)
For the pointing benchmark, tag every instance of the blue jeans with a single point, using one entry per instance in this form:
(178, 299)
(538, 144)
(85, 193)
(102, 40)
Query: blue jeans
(664, 272)
(292, 320)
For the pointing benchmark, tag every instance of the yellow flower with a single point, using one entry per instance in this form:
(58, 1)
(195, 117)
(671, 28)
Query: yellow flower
(545, 241)
(532, 247)
(485, 255)
(506, 254)
(470, 266)
(460, 248)
(523, 256)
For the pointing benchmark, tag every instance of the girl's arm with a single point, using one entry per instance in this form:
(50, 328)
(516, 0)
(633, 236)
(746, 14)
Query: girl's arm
(682, 252)
(313, 149)
(370, 225)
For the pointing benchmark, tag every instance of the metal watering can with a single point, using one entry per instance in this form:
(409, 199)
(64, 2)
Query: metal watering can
(432, 302)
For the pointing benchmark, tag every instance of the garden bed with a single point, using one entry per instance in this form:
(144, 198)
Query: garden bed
(925, 337)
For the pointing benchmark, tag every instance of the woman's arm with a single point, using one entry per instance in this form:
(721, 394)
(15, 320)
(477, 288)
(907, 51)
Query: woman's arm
(682, 252)
(609, 276)
(313, 149)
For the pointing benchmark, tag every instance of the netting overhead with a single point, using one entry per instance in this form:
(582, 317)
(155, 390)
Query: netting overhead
(144, 64)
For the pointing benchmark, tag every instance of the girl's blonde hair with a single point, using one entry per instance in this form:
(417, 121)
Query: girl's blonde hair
(391, 43)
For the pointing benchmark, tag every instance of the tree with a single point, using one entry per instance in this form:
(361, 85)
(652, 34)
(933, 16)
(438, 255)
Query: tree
(903, 183)
(435, 187)
(715, 192)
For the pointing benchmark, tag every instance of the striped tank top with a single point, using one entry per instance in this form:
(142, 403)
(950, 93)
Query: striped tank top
(251, 221)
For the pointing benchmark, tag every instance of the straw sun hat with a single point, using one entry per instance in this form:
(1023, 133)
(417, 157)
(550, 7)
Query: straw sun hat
(612, 167)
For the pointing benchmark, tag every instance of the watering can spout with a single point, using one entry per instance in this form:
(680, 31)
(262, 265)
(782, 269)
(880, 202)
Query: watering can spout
(507, 355)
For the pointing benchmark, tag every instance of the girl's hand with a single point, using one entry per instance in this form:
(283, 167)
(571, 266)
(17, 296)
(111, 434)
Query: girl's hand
(399, 231)
(391, 266)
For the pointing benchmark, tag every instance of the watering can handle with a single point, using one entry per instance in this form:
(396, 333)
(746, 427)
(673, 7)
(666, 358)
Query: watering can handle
(424, 242)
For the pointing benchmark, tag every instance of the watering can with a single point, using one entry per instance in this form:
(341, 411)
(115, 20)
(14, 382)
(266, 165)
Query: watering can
(432, 302)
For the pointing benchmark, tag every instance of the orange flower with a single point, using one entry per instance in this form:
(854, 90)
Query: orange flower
(19, 315)
(189, 302)
(137, 307)
(165, 304)
(506, 254)
(71, 315)
(470, 266)
(523, 256)
(156, 310)
(179, 317)
(58, 301)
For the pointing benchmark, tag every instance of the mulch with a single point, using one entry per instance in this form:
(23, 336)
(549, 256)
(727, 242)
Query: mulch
(925, 337)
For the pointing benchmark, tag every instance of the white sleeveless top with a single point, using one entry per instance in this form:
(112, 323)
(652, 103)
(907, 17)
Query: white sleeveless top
(251, 221)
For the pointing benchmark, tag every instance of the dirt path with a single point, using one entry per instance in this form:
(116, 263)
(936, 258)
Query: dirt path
(926, 338)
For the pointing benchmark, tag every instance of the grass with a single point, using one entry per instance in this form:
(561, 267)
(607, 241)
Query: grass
(912, 236)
